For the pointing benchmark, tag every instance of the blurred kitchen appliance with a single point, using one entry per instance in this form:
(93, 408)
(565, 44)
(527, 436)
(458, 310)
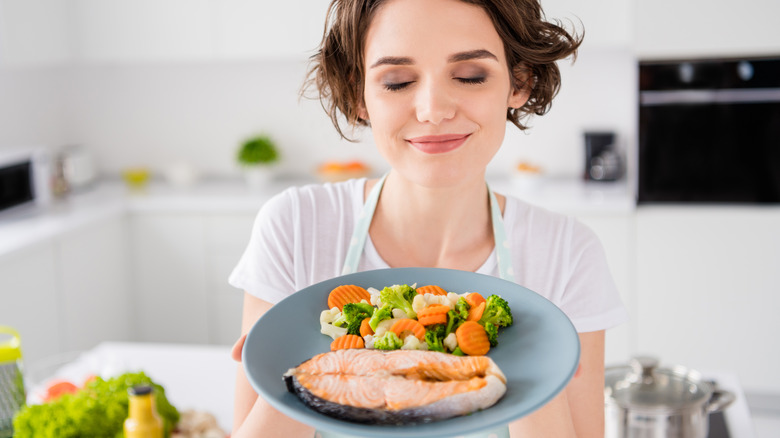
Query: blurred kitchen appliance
(25, 177)
(78, 168)
(709, 131)
(602, 159)
(646, 400)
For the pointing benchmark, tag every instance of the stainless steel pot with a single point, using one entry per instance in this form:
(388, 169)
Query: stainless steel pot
(643, 400)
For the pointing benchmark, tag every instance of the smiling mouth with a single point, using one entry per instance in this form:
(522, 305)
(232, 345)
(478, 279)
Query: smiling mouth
(438, 144)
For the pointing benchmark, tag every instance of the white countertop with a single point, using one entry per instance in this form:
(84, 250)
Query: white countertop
(202, 377)
(26, 225)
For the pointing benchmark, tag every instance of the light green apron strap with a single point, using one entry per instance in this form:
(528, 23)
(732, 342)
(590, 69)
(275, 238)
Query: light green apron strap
(503, 254)
(360, 233)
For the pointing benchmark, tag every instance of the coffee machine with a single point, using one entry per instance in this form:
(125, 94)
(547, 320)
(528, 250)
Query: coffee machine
(602, 159)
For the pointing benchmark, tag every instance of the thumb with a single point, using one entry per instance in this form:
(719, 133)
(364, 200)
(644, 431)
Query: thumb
(235, 353)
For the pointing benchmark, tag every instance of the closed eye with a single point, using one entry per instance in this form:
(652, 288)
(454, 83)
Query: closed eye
(473, 81)
(397, 86)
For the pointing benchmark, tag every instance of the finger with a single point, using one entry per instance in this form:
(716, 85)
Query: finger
(235, 353)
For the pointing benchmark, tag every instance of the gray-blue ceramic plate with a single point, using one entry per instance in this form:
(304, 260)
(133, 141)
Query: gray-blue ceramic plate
(539, 353)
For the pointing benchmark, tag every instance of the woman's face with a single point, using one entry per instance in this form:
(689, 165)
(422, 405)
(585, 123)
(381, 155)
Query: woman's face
(437, 89)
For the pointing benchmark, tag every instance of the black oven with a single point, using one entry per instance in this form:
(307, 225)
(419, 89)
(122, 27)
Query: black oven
(709, 131)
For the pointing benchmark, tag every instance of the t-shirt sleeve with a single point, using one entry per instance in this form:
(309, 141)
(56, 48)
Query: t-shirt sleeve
(590, 299)
(265, 268)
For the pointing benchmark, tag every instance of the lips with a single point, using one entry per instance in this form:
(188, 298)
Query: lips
(438, 144)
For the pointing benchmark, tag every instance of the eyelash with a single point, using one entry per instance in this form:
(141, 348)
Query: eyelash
(469, 81)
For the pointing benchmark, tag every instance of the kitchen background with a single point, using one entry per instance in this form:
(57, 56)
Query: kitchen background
(166, 83)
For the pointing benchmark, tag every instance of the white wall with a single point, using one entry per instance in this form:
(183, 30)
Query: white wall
(32, 107)
(197, 112)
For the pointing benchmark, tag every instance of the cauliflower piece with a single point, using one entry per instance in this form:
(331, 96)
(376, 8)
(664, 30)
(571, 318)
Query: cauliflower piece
(418, 303)
(384, 326)
(412, 343)
(451, 341)
(399, 314)
(331, 330)
(330, 315)
(369, 341)
(453, 297)
(431, 299)
(374, 292)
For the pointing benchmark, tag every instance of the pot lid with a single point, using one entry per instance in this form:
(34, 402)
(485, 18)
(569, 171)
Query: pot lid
(645, 385)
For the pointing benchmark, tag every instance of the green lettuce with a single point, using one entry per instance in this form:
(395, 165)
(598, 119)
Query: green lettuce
(98, 410)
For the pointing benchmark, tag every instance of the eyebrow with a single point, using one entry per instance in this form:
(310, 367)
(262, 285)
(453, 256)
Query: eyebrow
(457, 57)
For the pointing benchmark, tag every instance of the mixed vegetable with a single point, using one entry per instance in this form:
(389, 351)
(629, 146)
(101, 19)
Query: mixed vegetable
(97, 410)
(414, 318)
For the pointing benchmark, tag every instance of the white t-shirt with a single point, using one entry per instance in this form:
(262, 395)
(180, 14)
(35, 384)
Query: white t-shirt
(301, 237)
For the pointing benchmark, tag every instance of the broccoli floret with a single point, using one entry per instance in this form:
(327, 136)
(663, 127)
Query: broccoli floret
(496, 312)
(399, 297)
(354, 327)
(352, 312)
(458, 315)
(434, 335)
(492, 333)
(388, 341)
(458, 352)
(380, 314)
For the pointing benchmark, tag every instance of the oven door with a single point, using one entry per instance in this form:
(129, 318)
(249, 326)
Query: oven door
(703, 144)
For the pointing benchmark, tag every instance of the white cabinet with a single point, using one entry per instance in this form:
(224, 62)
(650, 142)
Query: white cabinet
(124, 31)
(169, 284)
(69, 292)
(616, 233)
(607, 23)
(181, 262)
(31, 302)
(34, 32)
(92, 265)
(142, 30)
(227, 235)
(249, 28)
(707, 290)
(704, 28)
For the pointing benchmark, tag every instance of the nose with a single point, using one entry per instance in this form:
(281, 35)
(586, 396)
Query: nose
(434, 103)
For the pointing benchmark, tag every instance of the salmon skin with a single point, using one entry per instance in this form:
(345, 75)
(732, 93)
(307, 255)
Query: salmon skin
(398, 387)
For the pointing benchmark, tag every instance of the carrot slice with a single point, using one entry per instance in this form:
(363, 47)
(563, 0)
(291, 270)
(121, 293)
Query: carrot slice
(476, 312)
(431, 289)
(347, 293)
(436, 314)
(474, 299)
(472, 339)
(403, 327)
(347, 341)
(365, 327)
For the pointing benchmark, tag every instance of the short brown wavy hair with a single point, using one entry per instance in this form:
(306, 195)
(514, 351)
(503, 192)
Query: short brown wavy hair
(532, 46)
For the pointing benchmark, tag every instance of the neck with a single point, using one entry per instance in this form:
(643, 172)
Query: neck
(435, 227)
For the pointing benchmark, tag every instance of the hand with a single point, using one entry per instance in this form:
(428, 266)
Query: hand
(235, 353)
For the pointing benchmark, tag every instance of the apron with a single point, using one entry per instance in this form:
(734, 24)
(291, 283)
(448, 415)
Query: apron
(358, 241)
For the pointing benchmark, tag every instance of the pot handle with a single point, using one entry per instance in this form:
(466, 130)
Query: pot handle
(720, 400)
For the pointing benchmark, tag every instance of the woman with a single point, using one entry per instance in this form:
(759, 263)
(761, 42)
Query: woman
(436, 81)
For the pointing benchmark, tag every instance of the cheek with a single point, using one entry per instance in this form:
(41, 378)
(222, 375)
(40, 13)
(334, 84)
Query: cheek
(487, 110)
(385, 114)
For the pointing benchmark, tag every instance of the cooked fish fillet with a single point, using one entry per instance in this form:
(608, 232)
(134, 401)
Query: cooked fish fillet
(396, 387)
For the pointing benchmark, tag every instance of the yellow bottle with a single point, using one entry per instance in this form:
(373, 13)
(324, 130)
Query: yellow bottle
(143, 420)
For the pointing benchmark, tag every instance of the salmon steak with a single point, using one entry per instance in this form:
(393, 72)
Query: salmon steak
(397, 387)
